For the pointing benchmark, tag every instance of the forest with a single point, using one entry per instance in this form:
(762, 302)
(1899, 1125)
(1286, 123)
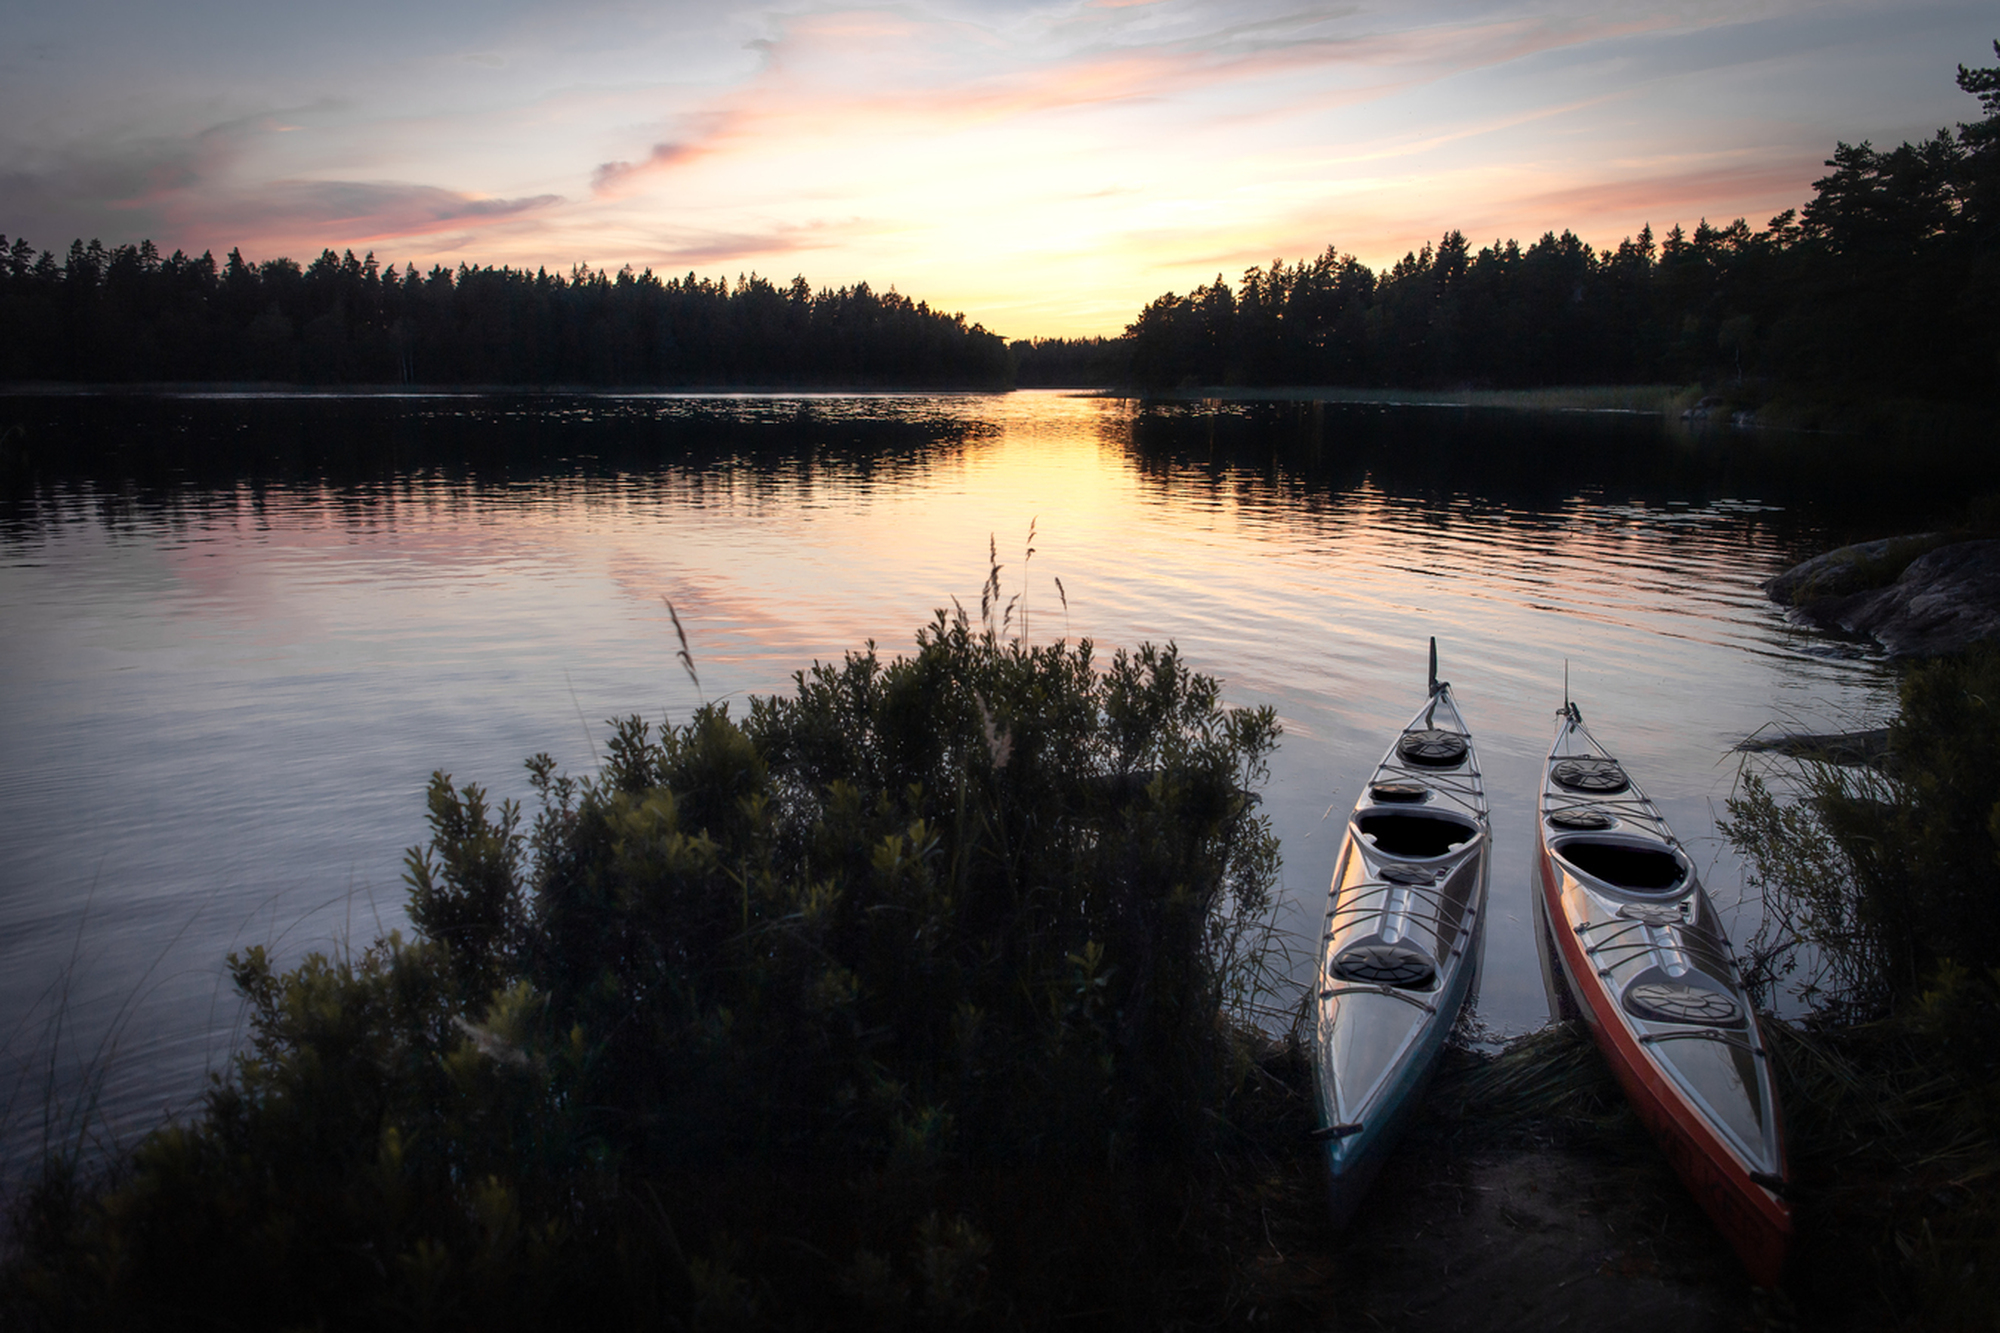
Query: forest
(128, 314)
(1882, 283)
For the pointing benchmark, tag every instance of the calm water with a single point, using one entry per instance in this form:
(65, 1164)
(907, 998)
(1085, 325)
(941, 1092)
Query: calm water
(239, 634)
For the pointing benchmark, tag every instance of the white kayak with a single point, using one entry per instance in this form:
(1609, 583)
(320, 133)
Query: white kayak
(1648, 967)
(1400, 948)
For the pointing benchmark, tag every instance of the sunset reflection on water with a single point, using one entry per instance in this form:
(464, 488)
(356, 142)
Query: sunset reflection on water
(243, 632)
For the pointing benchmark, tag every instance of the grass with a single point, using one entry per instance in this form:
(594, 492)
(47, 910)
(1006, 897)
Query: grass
(1895, 1162)
(1881, 891)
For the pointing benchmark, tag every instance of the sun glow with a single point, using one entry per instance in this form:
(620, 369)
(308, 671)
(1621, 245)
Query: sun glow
(1044, 168)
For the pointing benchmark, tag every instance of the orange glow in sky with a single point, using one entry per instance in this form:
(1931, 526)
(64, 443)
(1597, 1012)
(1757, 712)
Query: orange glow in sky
(1045, 167)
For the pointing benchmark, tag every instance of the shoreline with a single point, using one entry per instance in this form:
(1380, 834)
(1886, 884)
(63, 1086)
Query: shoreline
(280, 389)
(1662, 400)
(1635, 400)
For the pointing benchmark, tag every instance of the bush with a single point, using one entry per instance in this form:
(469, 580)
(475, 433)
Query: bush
(1881, 891)
(906, 996)
(1879, 877)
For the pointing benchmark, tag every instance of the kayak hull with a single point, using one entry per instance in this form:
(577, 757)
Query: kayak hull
(1353, 1162)
(1398, 958)
(1644, 960)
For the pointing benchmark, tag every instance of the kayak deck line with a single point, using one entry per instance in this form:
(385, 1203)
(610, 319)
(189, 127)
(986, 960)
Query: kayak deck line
(1393, 992)
(1702, 1034)
(1399, 945)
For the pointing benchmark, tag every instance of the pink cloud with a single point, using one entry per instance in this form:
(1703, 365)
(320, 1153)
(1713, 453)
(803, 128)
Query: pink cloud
(611, 176)
(727, 247)
(350, 212)
(1677, 191)
(854, 73)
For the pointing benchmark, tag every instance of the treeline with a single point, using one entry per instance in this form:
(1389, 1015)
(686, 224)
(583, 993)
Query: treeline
(1885, 281)
(129, 314)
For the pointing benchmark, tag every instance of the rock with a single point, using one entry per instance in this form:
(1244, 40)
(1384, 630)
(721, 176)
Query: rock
(1857, 749)
(1849, 569)
(1944, 601)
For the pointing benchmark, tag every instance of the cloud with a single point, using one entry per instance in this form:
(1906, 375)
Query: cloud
(696, 248)
(609, 176)
(1031, 156)
(1673, 196)
(727, 247)
(357, 211)
(198, 191)
(856, 73)
(126, 172)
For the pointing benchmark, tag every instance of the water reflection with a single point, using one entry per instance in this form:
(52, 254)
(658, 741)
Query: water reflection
(242, 632)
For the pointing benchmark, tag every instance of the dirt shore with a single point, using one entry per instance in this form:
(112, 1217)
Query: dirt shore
(1552, 1211)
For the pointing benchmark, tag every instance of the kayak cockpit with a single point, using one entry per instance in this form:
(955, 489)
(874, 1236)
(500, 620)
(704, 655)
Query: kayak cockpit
(1627, 869)
(1411, 835)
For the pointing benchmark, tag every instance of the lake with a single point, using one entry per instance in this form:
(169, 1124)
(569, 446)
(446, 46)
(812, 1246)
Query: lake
(240, 632)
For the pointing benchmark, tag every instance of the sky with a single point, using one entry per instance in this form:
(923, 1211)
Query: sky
(1046, 168)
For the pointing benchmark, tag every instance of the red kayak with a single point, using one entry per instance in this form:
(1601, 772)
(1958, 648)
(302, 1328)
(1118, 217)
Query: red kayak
(1646, 962)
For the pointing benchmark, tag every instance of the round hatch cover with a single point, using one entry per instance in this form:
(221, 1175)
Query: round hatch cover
(1593, 775)
(1399, 793)
(1379, 964)
(1650, 914)
(1432, 748)
(1584, 818)
(1672, 1002)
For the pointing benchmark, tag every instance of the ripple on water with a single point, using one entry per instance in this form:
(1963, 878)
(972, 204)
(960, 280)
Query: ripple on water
(230, 669)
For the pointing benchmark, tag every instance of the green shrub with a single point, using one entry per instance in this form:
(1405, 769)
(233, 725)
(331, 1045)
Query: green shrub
(905, 996)
(1881, 890)
(1878, 877)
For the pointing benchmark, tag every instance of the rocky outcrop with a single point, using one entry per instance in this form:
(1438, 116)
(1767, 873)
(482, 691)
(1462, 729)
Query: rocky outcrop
(1861, 567)
(1944, 600)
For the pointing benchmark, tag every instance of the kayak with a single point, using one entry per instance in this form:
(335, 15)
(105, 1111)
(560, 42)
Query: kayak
(1400, 949)
(1648, 967)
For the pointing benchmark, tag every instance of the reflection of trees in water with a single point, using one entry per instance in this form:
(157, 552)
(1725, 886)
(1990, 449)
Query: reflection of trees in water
(172, 457)
(1538, 464)
(169, 456)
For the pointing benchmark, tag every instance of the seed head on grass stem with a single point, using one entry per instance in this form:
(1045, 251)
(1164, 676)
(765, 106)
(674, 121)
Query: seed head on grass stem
(686, 658)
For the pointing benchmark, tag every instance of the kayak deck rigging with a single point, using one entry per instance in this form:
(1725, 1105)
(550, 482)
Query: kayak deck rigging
(1653, 974)
(1399, 946)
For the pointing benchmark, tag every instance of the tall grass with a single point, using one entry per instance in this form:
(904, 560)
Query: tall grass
(1881, 890)
(57, 1060)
